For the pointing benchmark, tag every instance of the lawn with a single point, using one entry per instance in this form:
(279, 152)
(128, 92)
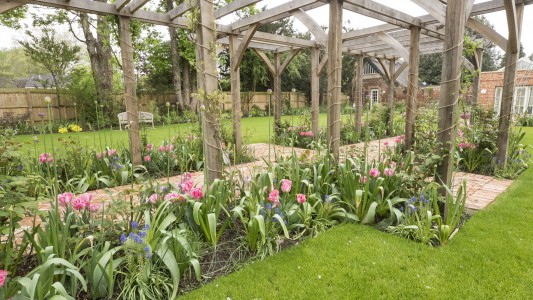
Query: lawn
(489, 258)
(255, 130)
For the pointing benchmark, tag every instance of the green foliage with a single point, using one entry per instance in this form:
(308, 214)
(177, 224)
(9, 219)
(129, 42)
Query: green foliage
(57, 57)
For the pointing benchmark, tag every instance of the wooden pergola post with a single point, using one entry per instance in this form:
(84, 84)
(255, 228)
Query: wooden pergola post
(130, 89)
(478, 65)
(412, 88)
(207, 85)
(277, 93)
(315, 92)
(449, 91)
(235, 78)
(334, 75)
(359, 69)
(514, 21)
(390, 95)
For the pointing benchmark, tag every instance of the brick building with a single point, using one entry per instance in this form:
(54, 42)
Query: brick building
(491, 85)
(375, 87)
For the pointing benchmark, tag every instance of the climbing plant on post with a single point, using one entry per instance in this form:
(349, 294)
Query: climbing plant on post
(208, 93)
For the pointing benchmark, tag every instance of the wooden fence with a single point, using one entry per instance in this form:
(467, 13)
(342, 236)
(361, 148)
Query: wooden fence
(29, 104)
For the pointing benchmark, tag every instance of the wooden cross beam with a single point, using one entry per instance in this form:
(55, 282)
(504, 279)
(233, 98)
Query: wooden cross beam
(279, 12)
(487, 32)
(394, 44)
(315, 29)
(11, 4)
(120, 4)
(135, 5)
(239, 53)
(232, 7)
(179, 10)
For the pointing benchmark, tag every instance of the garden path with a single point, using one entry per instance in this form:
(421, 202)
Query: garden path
(481, 190)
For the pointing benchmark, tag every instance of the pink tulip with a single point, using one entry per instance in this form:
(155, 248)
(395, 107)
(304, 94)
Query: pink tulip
(175, 196)
(386, 144)
(78, 204)
(273, 197)
(147, 158)
(64, 199)
(186, 186)
(374, 172)
(3, 276)
(398, 139)
(94, 207)
(86, 199)
(362, 179)
(286, 185)
(153, 199)
(388, 172)
(196, 193)
(301, 198)
(150, 147)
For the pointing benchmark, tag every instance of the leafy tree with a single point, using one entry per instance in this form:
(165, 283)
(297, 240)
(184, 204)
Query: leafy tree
(15, 63)
(12, 17)
(57, 57)
(531, 56)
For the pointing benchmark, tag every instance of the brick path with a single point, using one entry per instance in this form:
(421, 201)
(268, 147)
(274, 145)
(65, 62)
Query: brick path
(481, 190)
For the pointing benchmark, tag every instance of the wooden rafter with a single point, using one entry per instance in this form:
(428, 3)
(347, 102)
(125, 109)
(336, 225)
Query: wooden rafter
(11, 4)
(315, 29)
(280, 11)
(232, 7)
(394, 44)
(487, 32)
(266, 60)
(135, 5)
(179, 10)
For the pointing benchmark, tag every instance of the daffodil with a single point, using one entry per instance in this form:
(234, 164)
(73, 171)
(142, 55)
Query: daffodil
(63, 130)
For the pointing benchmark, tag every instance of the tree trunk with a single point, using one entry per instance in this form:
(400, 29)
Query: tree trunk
(100, 56)
(175, 59)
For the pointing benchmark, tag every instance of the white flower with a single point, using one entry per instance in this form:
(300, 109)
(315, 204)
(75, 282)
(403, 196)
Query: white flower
(47, 99)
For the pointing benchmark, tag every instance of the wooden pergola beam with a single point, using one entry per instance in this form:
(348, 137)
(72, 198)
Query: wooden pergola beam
(487, 32)
(266, 60)
(238, 54)
(135, 5)
(181, 9)
(120, 4)
(315, 29)
(281, 11)
(435, 8)
(394, 44)
(11, 4)
(412, 88)
(232, 7)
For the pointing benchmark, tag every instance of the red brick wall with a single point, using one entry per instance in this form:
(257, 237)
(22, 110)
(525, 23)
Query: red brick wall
(490, 80)
(424, 96)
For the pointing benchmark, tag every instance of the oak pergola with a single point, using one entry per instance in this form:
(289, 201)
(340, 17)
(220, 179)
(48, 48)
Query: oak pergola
(402, 37)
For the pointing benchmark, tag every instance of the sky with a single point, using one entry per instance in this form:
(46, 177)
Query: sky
(8, 37)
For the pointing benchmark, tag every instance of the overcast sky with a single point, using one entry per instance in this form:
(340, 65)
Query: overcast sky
(8, 37)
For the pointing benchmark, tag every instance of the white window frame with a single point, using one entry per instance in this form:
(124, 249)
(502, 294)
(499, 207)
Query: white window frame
(529, 109)
(524, 90)
(497, 99)
(372, 93)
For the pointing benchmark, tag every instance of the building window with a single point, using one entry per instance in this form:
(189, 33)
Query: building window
(368, 69)
(530, 102)
(374, 97)
(518, 101)
(497, 100)
(522, 100)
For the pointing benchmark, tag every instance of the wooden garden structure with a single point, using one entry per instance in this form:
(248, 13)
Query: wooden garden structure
(402, 37)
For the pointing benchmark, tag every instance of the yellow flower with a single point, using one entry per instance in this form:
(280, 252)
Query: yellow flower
(75, 128)
(63, 130)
